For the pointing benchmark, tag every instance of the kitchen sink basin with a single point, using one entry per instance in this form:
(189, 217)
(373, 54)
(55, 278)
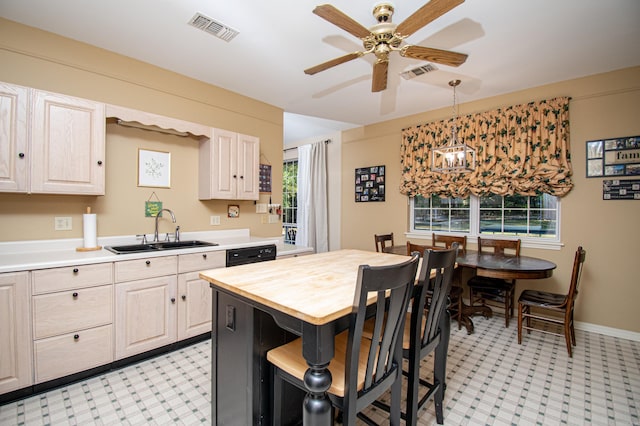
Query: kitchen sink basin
(162, 245)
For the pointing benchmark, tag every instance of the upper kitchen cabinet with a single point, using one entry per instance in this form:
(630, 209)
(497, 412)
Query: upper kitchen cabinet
(229, 166)
(14, 102)
(67, 145)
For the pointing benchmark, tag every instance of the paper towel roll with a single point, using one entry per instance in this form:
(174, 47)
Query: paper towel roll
(90, 230)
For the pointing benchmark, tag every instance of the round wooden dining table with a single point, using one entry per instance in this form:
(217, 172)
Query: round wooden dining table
(493, 266)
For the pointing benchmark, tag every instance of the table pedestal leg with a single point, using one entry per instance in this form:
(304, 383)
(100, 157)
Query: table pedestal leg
(317, 408)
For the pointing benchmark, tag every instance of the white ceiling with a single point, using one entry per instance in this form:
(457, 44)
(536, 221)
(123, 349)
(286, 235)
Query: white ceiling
(512, 45)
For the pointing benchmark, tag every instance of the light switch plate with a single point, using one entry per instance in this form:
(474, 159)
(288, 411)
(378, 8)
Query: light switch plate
(261, 208)
(274, 218)
(215, 220)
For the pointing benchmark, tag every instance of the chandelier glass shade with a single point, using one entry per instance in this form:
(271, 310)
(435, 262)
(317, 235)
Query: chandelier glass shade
(453, 156)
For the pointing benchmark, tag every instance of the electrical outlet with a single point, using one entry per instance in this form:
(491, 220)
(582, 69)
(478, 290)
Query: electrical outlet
(215, 220)
(261, 208)
(63, 223)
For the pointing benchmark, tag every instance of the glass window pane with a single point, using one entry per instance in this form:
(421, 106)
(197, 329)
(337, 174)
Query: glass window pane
(439, 202)
(516, 201)
(460, 220)
(491, 201)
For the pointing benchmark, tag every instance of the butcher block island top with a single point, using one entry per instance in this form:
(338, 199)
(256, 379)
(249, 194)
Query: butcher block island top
(317, 288)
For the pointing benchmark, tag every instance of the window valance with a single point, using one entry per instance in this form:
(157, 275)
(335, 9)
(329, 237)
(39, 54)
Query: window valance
(522, 149)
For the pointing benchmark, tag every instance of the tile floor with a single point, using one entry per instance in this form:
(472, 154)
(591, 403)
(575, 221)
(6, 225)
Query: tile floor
(491, 381)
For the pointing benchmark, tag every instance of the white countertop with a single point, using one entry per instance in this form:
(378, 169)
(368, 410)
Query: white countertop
(28, 255)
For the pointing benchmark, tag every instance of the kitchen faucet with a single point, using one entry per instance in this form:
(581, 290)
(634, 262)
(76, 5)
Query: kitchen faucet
(173, 218)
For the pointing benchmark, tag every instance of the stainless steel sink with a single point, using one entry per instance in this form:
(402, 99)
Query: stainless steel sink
(162, 245)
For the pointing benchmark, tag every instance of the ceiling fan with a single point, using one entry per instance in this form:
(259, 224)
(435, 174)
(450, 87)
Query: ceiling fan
(386, 37)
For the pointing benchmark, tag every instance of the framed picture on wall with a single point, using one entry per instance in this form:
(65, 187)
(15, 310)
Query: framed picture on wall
(613, 157)
(370, 184)
(154, 168)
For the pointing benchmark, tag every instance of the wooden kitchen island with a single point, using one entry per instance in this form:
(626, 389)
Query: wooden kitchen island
(263, 305)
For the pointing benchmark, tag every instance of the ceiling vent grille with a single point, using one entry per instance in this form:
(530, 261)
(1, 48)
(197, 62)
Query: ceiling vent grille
(213, 27)
(407, 75)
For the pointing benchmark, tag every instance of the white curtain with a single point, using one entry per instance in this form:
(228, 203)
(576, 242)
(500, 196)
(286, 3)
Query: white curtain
(312, 220)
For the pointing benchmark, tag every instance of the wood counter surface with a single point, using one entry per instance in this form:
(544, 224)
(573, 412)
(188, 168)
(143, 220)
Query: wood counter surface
(317, 288)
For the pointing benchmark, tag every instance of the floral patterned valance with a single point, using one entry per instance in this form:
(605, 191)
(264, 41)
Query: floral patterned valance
(522, 149)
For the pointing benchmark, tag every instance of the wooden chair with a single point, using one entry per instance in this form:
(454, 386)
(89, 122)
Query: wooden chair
(363, 368)
(495, 291)
(553, 303)
(455, 294)
(382, 240)
(427, 331)
(446, 241)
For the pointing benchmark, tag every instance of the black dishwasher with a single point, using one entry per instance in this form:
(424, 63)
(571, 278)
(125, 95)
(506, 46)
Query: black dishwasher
(245, 255)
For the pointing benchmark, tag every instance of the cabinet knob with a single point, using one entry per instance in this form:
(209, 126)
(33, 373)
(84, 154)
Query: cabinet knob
(21, 155)
(235, 176)
(76, 337)
(75, 294)
(173, 300)
(76, 270)
(148, 262)
(99, 162)
(241, 177)
(204, 256)
(184, 297)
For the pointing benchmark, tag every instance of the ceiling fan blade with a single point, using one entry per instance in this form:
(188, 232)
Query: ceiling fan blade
(380, 70)
(336, 17)
(427, 13)
(439, 56)
(333, 63)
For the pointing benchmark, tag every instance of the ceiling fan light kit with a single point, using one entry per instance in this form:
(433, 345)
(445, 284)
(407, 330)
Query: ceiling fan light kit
(386, 37)
(453, 156)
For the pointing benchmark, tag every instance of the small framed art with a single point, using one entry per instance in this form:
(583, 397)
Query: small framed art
(154, 168)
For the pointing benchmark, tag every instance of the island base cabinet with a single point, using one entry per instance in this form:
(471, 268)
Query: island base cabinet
(74, 352)
(240, 374)
(145, 315)
(16, 366)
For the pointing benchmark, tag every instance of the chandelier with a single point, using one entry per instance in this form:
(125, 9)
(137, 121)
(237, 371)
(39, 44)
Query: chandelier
(453, 156)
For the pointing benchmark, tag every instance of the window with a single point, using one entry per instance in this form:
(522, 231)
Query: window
(529, 217)
(290, 201)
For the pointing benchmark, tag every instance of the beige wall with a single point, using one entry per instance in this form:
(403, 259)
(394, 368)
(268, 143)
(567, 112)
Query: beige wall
(34, 58)
(602, 106)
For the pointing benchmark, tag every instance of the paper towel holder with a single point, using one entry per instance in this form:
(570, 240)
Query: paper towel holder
(89, 248)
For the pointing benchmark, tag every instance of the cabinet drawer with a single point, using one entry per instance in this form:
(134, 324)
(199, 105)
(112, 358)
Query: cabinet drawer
(150, 267)
(70, 353)
(72, 277)
(68, 311)
(201, 261)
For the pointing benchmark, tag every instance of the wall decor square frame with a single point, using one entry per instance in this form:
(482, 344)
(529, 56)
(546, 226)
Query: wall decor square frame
(154, 168)
(613, 157)
(370, 184)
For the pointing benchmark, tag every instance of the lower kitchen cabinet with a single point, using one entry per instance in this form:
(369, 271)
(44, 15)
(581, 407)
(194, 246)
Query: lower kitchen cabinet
(145, 315)
(194, 305)
(16, 365)
(72, 319)
(70, 353)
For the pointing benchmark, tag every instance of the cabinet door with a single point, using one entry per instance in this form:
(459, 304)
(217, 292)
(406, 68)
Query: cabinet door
(221, 165)
(248, 168)
(16, 365)
(194, 305)
(13, 138)
(67, 141)
(145, 315)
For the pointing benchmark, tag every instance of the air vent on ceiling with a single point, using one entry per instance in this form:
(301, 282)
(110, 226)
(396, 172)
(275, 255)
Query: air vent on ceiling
(213, 27)
(407, 75)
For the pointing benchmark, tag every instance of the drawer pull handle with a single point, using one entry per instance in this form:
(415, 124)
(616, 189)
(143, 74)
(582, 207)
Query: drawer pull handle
(76, 337)
(184, 297)
(148, 262)
(75, 295)
(76, 270)
(204, 256)
(173, 300)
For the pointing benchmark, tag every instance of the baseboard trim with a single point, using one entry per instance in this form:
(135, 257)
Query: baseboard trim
(608, 331)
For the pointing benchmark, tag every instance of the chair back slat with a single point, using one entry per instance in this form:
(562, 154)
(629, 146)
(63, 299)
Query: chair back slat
(486, 245)
(385, 356)
(383, 241)
(576, 273)
(447, 241)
